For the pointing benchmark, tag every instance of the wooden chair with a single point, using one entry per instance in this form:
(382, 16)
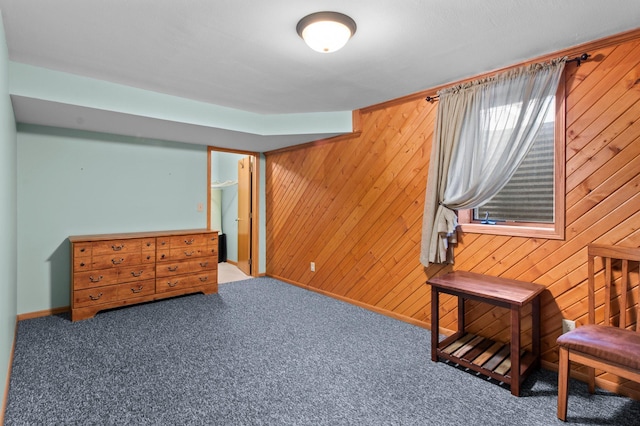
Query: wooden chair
(602, 345)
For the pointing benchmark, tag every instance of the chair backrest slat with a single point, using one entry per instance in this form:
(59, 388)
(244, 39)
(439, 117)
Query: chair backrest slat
(607, 291)
(623, 293)
(591, 289)
(638, 302)
(609, 254)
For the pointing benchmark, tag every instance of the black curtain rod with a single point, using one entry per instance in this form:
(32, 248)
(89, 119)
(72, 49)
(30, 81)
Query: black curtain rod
(578, 60)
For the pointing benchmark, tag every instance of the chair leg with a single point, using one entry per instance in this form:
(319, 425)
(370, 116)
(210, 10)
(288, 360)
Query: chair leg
(563, 383)
(591, 379)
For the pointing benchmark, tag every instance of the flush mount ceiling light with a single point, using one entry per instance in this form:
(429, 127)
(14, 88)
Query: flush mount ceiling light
(326, 32)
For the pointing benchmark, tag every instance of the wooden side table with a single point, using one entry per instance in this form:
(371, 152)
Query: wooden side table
(504, 362)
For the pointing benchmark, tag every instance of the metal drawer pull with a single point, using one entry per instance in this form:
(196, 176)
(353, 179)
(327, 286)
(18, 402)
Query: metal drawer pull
(133, 290)
(117, 248)
(117, 261)
(82, 264)
(204, 264)
(136, 275)
(203, 279)
(95, 297)
(172, 269)
(82, 250)
(189, 253)
(170, 284)
(189, 242)
(95, 280)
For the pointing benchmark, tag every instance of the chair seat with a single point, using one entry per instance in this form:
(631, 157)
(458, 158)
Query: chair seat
(611, 344)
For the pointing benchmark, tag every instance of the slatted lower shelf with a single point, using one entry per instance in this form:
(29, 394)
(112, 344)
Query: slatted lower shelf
(482, 355)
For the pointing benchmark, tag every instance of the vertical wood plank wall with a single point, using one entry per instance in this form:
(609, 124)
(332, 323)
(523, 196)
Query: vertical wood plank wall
(354, 207)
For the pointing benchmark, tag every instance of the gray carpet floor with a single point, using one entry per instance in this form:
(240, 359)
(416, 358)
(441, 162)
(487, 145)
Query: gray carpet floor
(262, 352)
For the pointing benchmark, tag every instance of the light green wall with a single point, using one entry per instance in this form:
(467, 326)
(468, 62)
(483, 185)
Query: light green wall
(8, 217)
(41, 83)
(73, 183)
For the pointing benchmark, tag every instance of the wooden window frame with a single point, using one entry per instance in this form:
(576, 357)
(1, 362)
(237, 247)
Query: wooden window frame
(555, 230)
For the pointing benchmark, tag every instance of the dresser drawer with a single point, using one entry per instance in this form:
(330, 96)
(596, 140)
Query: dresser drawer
(102, 277)
(149, 244)
(183, 241)
(82, 250)
(183, 253)
(82, 263)
(212, 241)
(101, 248)
(112, 293)
(122, 259)
(168, 269)
(186, 281)
(95, 278)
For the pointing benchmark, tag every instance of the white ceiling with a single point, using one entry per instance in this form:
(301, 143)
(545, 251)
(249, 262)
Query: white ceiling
(246, 54)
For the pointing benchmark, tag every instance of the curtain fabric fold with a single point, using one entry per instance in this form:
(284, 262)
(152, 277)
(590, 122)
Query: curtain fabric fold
(484, 129)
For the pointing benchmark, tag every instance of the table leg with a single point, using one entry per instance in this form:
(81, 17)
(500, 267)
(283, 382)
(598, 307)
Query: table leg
(435, 326)
(515, 350)
(461, 323)
(535, 329)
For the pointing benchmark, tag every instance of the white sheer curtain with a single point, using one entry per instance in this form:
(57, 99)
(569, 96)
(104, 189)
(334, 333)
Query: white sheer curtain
(483, 131)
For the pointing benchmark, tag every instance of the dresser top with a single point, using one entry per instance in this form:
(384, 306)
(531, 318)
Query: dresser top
(125, 235)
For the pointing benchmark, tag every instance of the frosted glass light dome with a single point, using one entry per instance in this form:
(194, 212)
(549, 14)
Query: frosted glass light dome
(326, 32)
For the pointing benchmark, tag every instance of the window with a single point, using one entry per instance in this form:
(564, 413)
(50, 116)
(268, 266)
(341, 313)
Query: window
(532, 203)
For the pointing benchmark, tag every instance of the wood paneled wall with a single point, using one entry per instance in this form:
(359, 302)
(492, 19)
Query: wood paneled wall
(354, 207)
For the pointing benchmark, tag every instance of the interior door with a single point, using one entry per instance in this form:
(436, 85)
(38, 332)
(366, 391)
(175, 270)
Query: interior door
(244, 214)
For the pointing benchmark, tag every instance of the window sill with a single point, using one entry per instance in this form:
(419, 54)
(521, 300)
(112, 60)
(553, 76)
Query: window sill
(531, 231)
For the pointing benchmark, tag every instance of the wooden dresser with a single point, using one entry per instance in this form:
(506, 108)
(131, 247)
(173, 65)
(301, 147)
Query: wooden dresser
(113, 270)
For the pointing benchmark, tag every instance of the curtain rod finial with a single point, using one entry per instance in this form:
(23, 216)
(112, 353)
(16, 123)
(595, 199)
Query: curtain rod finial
(579, 59)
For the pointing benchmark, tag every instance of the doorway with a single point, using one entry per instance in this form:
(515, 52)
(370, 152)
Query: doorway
(233, 178)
